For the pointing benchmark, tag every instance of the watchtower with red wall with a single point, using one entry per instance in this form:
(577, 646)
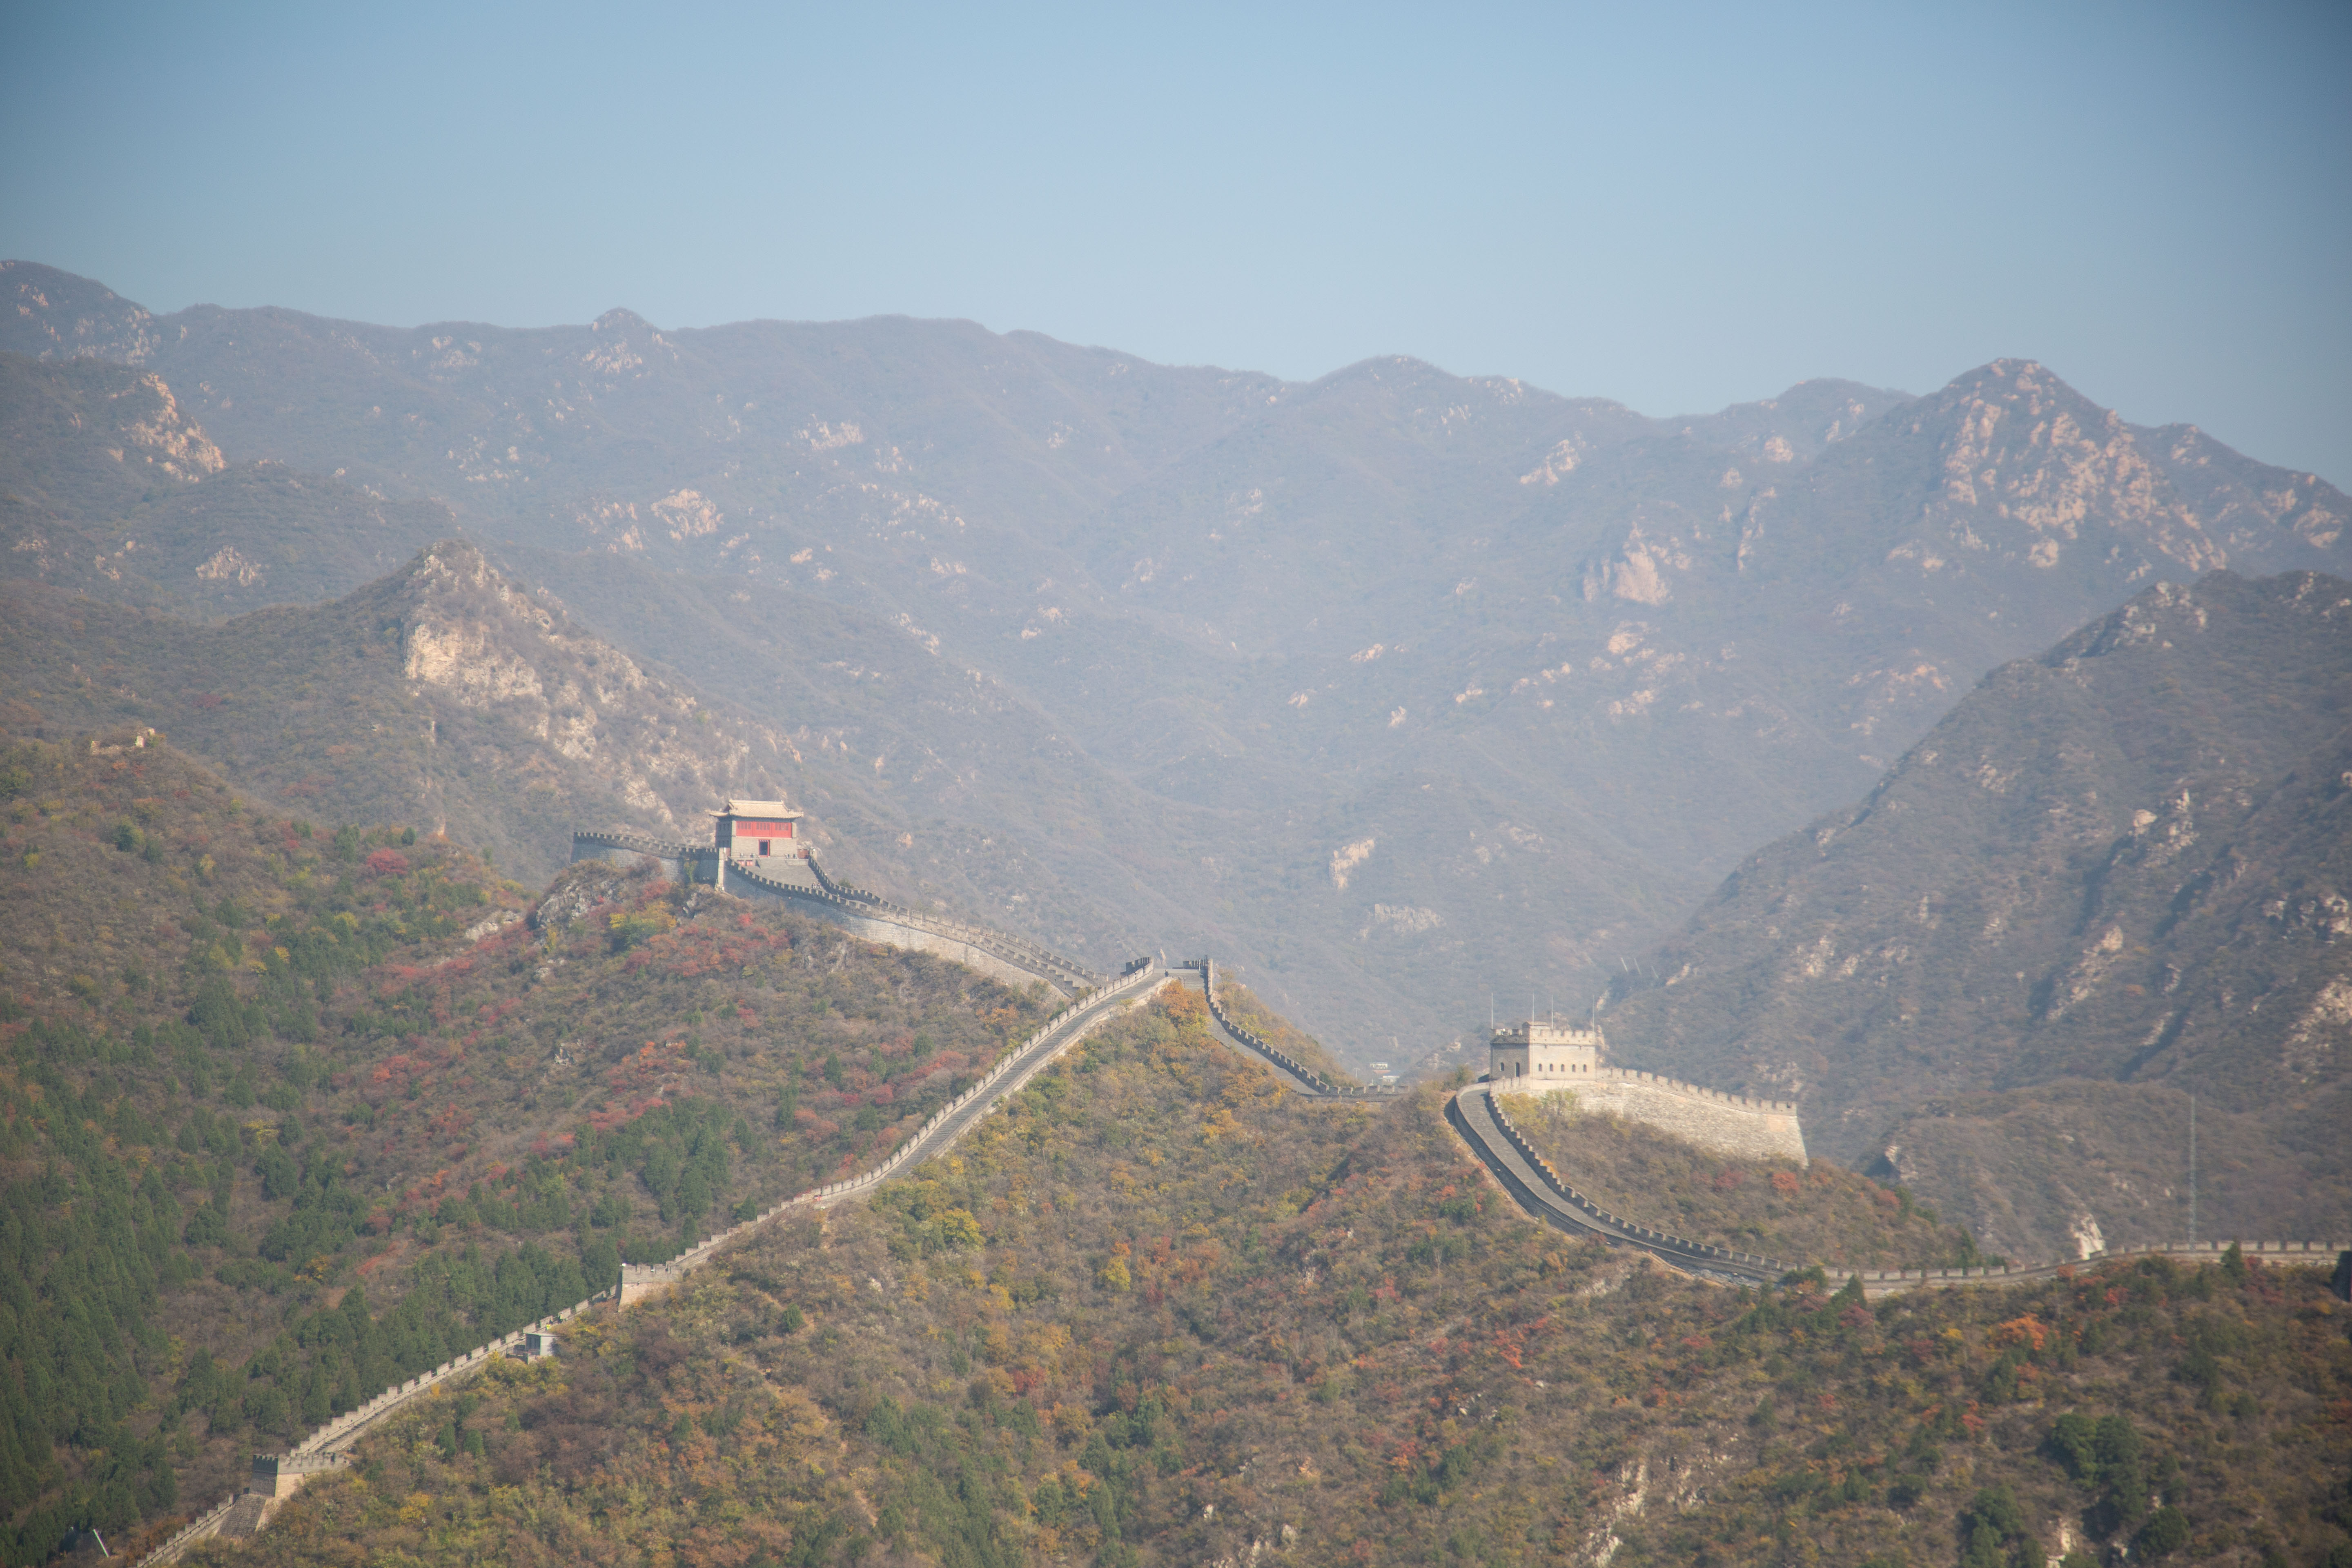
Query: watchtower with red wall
(756, 830)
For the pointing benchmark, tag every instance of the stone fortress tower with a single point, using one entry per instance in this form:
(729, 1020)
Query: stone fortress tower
(1545, 1049)
(761, 848)
(1544, 1056)
(762, 836)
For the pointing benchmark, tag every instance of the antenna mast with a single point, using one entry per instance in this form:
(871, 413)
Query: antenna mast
(2192, 1170)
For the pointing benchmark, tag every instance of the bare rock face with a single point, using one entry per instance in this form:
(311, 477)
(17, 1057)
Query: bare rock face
(89, 439)
(580, 891)
(2031, 471)
(475, 642)
(2245, 505)
(54, 315)
(2115, 876)
(114, 488)
(443, 696)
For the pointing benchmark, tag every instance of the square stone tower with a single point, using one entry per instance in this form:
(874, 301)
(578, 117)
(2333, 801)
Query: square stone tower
(758, 830)
(1552, 1054)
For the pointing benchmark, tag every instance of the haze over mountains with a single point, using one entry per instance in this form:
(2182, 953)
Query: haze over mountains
(2114, 877)
(1397, 692)
(1398, 688)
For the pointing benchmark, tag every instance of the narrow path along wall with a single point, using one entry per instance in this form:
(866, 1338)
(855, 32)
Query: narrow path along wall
(1477, 1118)
(998, 955)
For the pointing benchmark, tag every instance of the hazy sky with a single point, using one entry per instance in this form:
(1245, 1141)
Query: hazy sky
(1675, 206)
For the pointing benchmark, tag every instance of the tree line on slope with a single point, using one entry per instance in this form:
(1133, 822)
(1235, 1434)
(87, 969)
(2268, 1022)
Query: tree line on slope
(277, 1131)
(1162, 1312)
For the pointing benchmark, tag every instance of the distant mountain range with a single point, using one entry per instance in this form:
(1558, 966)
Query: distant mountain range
(1398, 688)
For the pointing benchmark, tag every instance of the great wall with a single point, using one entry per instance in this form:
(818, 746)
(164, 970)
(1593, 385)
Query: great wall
(1475, 1113)
(998, 955)
(277, 1476)
(1730, 1124)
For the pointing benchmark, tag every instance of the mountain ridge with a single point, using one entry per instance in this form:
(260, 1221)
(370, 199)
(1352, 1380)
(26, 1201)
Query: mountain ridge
(1559, 666)
(2120, 863)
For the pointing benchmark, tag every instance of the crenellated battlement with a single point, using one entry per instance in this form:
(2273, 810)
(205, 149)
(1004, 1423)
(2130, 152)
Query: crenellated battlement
(1545, 1057)
(799, 877)
(1676, 1086)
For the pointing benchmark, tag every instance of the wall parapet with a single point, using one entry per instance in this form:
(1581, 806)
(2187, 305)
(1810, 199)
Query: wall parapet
(322, 1449)
(1890, 1281)
(1702, 1251)
(1015, 951)
(1732, 1125)
(1676, 1086)
(1877, 1282)
(1312, 1081)
(642, 844)
(203, 1526)
(1006, 944)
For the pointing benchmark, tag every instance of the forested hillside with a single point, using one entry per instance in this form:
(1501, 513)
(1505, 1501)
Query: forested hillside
(2114, 878)
(1162, 1312)
(292, 1110)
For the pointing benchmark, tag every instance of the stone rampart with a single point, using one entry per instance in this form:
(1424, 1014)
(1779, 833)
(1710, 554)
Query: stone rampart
(1304, 1078)
(674, 861)
(1000, 955)
(639, 1280)
(320, 1451)
(1876, 1282)
(1705, 1118)
(1703, 1259)
(277, 1476)
(869, 924)
(282, 1475)
(202, 1527)
(1063, 973)
(1673, 1248)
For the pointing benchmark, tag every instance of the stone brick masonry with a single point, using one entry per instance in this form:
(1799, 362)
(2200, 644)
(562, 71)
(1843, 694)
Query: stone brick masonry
(1707, 1118)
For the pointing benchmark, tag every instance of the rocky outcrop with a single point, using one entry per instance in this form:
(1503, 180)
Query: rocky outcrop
(473, 640)
(2108, 880)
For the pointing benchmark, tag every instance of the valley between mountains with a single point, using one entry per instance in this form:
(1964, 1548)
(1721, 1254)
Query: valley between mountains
(1971, 768)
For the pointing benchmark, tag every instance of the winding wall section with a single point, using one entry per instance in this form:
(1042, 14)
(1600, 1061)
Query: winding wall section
(1473, 1112)
(1477, 1116)
(277, 1476)
(997, 953)
(1293, 1072)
